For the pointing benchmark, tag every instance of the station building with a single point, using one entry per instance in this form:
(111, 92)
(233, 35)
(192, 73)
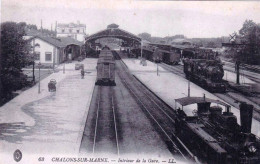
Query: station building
(51, 51)
(76, 31)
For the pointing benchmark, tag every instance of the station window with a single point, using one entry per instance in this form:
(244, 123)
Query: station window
(70, 30)
(48, 56)
(63, 30)
(77, 31)
(37, 56)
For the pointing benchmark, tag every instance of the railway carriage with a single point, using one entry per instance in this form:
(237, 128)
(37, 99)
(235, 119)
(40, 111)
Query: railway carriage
(106, 69)
(158, 55)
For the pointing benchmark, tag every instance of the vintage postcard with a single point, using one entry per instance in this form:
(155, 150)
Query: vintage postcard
(123, 81)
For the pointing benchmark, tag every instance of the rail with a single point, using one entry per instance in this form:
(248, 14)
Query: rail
(158, 122)
(97, 121)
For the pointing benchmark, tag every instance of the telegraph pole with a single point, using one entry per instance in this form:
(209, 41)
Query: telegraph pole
(232, 43)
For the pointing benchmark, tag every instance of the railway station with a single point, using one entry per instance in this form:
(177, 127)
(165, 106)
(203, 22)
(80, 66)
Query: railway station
(136, 100)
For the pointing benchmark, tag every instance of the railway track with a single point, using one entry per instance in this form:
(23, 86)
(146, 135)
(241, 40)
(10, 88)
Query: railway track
(254, 68)
(178, 70)
(100, 133)
(158, 112)
(105, 136)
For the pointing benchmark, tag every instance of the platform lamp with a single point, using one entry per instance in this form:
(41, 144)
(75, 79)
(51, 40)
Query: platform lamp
(33, 47)
(141, 53)
(141, 49)
(39, 85)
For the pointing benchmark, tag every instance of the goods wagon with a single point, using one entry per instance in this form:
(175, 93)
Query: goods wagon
(171, 57)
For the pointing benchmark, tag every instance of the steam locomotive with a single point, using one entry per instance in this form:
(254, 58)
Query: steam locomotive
(214, 136)
(206, 73)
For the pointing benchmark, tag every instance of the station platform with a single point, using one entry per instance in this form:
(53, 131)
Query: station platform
(169, 86)
(45, 123)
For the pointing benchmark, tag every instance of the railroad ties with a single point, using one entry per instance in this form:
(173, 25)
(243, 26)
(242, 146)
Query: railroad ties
(100, 134)
(159, 113)
(105, 136)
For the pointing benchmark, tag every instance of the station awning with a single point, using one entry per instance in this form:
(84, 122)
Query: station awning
(195, 100)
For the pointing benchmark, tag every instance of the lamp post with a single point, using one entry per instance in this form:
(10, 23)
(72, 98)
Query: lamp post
(63, 68)
(189, 87)
(141, 50)
(39, 86)
(158, 60)
(157, 70)
(34, 45)
(33, 70)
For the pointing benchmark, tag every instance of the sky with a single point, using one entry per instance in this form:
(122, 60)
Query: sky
(198, 19)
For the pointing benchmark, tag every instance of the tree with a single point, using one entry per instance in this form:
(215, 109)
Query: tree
(251, 38)
(248, 26)
(14, 51)
(1, 85)
(32, 26)
(145, 36)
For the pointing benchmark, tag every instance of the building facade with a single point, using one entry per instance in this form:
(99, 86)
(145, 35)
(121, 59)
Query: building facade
(51, 51)
(75, 31)
(47, 53)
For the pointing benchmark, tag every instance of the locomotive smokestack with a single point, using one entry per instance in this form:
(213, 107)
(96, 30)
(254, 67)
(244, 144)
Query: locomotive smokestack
(246, 112)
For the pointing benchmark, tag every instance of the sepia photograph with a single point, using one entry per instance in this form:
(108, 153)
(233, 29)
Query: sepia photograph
(129, 81)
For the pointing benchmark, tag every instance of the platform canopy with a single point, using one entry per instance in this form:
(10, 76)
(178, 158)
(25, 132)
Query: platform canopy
(196, 100)
(113, 31)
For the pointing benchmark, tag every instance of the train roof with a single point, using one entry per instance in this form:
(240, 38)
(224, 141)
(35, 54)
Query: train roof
(104, 55)
(195, 100)
(103, 60)
(105, 52)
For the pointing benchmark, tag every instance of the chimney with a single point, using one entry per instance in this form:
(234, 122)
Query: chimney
(41, 25)
(78, 22)
(56, 28)
(246, 112)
